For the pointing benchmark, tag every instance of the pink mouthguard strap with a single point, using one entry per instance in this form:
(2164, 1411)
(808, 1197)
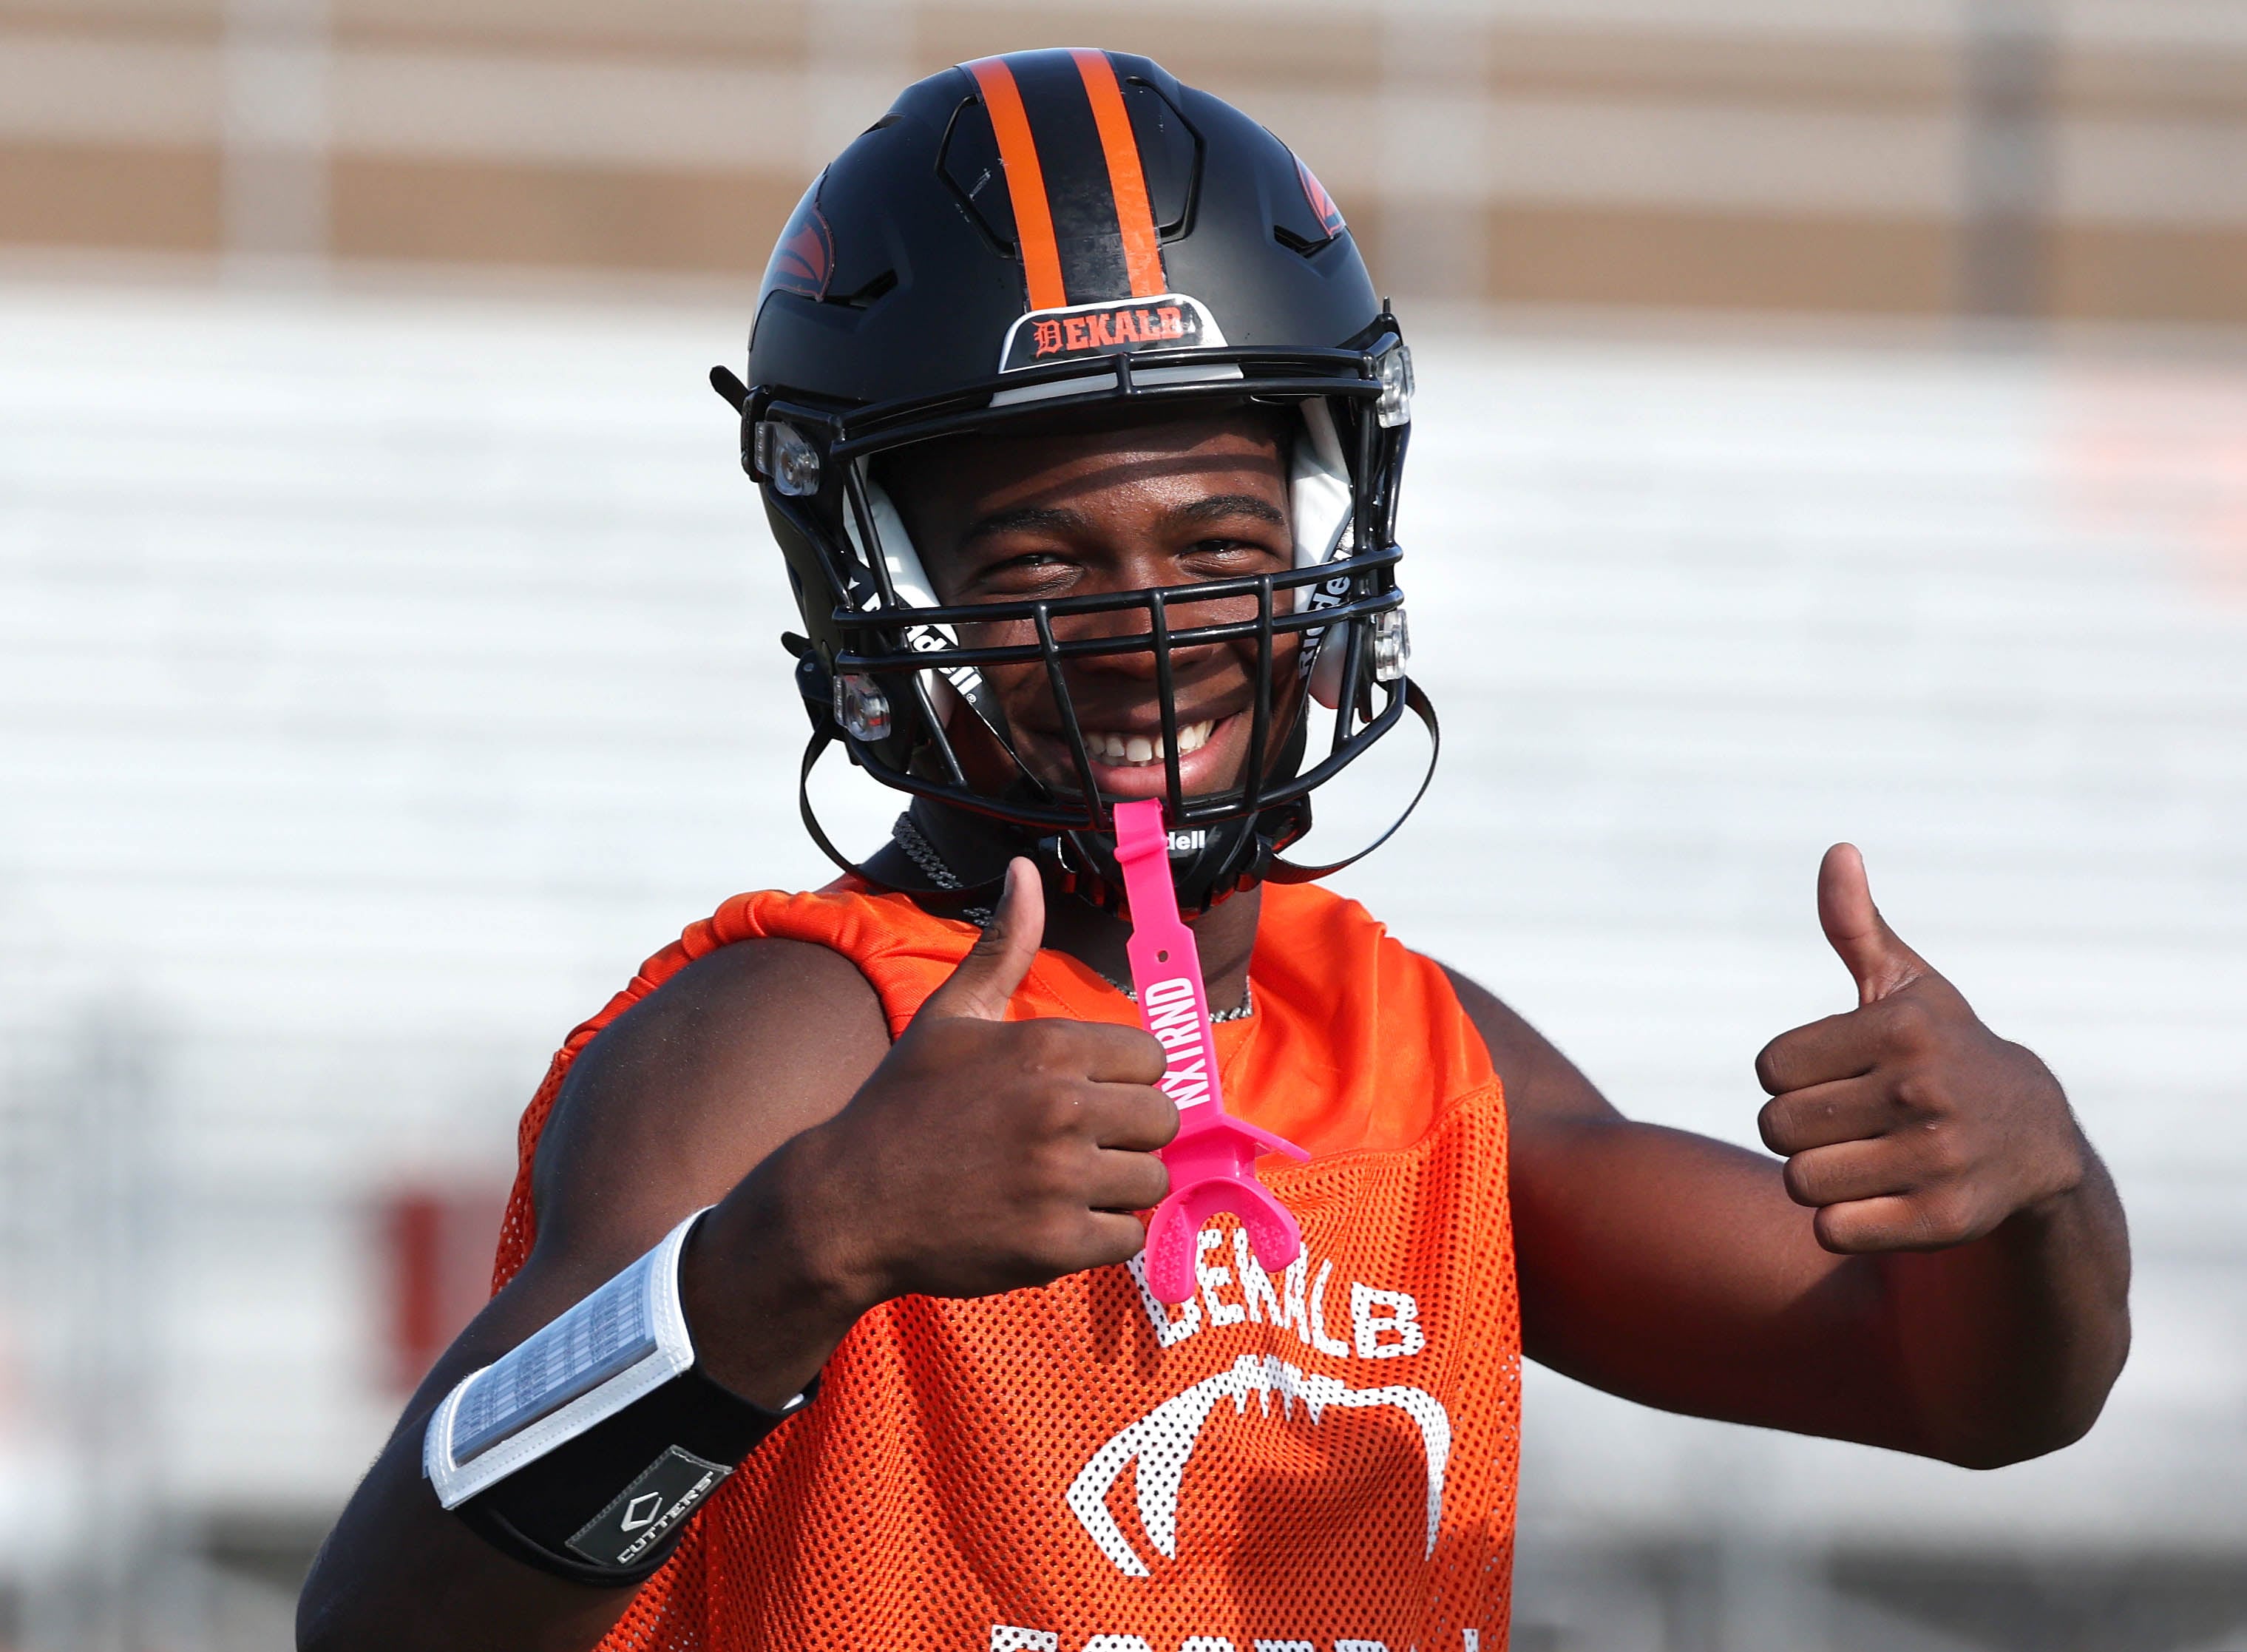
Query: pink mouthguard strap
(1212, 1162)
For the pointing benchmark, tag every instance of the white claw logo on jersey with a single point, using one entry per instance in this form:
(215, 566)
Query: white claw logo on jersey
(1163, 1440)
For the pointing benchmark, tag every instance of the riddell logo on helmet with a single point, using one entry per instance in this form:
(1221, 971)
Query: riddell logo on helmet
(1170, 321)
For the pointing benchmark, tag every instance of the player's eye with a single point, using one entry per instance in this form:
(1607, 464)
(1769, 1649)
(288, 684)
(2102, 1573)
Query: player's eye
(1228, 553)
(1028, 569)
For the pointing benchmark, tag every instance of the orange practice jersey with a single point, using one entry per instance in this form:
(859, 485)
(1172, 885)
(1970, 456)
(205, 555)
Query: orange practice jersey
(1319, 1461)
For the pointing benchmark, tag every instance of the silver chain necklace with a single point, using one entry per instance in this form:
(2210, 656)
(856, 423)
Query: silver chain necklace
(923, 853)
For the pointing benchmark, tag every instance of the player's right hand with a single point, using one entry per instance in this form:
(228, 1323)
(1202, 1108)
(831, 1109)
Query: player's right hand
(983, 1155)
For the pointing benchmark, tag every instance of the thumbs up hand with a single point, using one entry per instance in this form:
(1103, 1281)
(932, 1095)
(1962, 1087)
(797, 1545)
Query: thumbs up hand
(1906, 1123)
(984, 1155)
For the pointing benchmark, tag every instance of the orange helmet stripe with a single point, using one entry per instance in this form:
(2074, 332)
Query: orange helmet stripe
(1025, 182)
(1143, 255)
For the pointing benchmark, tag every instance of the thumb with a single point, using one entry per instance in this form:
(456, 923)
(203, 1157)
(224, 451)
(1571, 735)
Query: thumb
(1880, 962)
(980, 988)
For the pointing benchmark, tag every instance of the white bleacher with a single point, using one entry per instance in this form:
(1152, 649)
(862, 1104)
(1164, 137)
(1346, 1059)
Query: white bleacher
(382, 678)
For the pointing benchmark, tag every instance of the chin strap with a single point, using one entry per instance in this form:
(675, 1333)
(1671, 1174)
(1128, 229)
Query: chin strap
(1276, 871)
(963, 898)
(978, 896)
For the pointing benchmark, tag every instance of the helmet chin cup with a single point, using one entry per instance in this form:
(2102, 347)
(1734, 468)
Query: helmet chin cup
(1208, 863)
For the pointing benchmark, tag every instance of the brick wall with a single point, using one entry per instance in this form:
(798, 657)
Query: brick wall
(2077, 158)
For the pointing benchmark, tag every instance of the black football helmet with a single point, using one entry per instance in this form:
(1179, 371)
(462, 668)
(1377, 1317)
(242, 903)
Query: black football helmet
(1022, 236)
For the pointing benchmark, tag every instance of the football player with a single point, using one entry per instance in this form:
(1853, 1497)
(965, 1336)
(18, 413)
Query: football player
(820, 1320)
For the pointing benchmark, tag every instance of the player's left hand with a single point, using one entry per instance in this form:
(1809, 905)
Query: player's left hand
(1906, 1123)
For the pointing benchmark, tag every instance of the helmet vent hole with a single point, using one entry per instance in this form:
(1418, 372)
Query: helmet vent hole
(1170, 155)
(970, 165)
(880, 287)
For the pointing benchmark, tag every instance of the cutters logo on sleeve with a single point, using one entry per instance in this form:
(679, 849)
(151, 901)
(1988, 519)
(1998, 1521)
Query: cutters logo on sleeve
(1170, 321)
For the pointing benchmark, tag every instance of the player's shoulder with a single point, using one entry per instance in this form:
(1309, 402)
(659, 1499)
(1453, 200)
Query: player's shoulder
(1540, 1082)
(770, 1012)
(763, 973)
(762, 990)
(1357, 998)
(1340, 939)
(693, 1084)
(1342, 943)
(760, 962)
(1311, 920)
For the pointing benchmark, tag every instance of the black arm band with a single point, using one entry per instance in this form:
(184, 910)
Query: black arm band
(608, 1506)
(583, 1450)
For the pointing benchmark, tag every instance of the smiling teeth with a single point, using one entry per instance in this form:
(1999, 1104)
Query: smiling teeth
(1122, 750)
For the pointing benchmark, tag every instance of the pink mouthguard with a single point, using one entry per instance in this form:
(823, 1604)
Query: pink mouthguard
(1213, 1161)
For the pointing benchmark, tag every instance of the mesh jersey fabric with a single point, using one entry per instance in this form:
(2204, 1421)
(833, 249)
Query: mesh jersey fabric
(1322, 1461)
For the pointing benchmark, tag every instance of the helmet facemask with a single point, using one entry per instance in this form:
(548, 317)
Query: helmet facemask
(898, 673)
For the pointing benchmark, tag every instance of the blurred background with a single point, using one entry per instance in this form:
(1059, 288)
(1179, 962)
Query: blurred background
(1834, 423)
